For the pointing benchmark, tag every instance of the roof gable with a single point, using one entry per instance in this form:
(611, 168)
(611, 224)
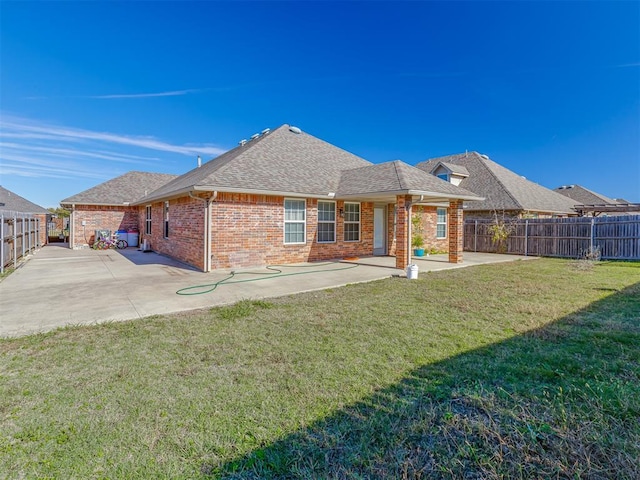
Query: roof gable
(123, 190)
(451, 168)
(396, 177)
(502, 188)
(12, 202)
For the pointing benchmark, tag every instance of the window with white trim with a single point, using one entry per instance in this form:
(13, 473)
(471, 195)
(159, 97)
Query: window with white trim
(147, 222)
(351, 222)
(166, 219)
(295, 221)
(326, 222)
(441, 223)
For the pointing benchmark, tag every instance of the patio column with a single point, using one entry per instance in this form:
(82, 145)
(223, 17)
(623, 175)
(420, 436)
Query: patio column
(456, 231)
(402, 231)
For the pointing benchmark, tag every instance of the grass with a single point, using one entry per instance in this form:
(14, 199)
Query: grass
(518, 370)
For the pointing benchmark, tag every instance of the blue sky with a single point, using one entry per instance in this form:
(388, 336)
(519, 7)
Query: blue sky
(91, 90)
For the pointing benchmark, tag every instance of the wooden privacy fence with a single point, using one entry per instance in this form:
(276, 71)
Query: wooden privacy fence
(615, 237)
(19, 235)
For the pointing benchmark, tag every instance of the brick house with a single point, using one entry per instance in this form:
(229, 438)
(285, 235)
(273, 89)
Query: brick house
(282, 197)
(504, 191)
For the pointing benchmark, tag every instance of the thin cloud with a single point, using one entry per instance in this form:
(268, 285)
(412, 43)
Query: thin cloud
(626, 65)
(70, 153)
(22, 127)
(171, 93)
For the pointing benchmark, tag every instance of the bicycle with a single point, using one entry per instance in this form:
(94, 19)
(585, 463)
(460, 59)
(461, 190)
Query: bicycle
(113, 242)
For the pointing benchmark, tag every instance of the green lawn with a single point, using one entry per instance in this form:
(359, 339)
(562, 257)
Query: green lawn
(518, 370)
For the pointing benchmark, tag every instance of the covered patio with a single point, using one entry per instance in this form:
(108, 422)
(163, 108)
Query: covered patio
(434, 263)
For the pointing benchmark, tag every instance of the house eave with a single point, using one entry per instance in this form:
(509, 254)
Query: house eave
(97, 204)
(425, 196)
(249, 191)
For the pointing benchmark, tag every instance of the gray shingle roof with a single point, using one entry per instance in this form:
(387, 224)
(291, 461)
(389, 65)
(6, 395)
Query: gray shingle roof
(280, 161)
(584, 196)
(15, 203)
(396, 177)
(122, 190)
(288, 163)
(502, 188)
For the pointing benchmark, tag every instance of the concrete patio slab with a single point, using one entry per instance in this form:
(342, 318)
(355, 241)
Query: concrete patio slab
(58, 286)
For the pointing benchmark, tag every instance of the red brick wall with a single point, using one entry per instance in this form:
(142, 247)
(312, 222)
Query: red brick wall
(248, 230)
(42, 225)
(429, 219)
(402, 231)
(186, 230)
(456, 231)
(100, 218)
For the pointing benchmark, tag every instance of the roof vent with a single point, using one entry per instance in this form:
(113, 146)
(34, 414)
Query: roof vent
(484, 156)
(295, 129)
(254, 136)
(265, 131)
(242, 142)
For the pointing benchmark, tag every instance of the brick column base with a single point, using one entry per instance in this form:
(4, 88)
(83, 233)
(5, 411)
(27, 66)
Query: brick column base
(402, 231)
(456, 231)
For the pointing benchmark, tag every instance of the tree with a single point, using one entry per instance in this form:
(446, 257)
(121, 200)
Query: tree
(59, 212)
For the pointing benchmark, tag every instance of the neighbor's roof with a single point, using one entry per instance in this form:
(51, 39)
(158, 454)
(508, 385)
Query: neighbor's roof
(11, 202)
(502, 188)
(123, 190)
(583, 196)
(287, 161)
(397, 177)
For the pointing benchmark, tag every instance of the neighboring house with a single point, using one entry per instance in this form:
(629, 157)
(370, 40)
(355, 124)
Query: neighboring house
(588, 202)
(504, 191)
(282, 197)
(11, 203)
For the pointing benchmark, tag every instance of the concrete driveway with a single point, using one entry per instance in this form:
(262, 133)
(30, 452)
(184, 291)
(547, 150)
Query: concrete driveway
(58, 286)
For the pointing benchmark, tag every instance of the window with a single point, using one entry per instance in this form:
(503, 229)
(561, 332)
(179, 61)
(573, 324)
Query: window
(326, 222)
(441, 223)
(295, 221)
(351, 222)
(147, 224)
(166, 219)
(444, 176)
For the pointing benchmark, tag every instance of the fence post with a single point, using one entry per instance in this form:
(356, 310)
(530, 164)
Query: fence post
(592, 235)
(526, 238)
(15, 240)
(475, 236)
(29, 234)
(1, 242)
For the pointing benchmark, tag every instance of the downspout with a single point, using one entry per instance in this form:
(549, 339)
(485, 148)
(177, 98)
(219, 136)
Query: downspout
(409, 206)
(72, 226)
(207, 228)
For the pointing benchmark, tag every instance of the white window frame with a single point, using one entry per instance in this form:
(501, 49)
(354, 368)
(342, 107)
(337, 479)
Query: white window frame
(327, 222)
(288, 222)
(147, 220)
(439, 223)
(351, 222)
(165, 232)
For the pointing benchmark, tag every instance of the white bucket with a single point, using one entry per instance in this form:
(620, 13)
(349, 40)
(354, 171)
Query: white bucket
(412, 272)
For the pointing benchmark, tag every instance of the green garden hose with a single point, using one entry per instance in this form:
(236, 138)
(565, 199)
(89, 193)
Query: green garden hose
(276, 271)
